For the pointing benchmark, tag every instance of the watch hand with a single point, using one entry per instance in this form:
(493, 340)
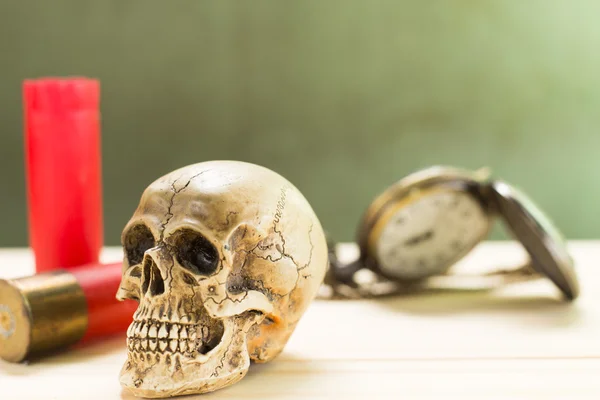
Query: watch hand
(419, 238)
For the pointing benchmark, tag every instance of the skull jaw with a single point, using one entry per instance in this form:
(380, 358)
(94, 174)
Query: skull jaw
(224, 365)
(160, 383)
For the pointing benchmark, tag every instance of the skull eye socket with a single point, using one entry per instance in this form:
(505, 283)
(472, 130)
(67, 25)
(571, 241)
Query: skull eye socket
(195, 253)
(138, 240)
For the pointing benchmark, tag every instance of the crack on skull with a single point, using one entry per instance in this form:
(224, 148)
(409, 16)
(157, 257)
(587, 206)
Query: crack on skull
(259, 284)
(141, 373)
(193, 297)
(255, 284)
(289, 256)
(221, 363)
(226, 352)
(170, 268)
(169, 215)
(227, 297)
(312, 247)
(300, 268)
(281, 248)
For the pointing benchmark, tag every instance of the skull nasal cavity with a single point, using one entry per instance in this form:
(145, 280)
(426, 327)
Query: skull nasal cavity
(153, 283)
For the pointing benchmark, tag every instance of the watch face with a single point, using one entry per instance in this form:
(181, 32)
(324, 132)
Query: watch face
(426, 235)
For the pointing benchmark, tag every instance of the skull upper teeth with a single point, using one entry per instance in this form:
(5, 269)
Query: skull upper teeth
(151, 335)
(162, 332)
(152, 332)
(174, 332)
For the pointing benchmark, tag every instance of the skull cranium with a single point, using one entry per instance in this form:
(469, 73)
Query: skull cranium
(224, 258)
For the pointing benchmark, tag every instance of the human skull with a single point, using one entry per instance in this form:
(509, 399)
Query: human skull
(224, 257)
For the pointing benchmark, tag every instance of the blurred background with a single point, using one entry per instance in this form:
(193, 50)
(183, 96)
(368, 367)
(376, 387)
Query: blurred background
(341, 97)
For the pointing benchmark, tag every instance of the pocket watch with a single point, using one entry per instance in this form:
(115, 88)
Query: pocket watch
(418, 228)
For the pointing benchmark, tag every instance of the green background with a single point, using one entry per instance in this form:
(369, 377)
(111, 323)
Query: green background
(341, 97)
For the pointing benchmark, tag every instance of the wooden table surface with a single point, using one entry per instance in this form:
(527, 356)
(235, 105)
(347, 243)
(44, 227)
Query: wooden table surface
(517, 342)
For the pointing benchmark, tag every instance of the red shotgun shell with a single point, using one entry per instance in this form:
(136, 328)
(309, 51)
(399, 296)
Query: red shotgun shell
(62, 154)
(106, 314)
(49, 311)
